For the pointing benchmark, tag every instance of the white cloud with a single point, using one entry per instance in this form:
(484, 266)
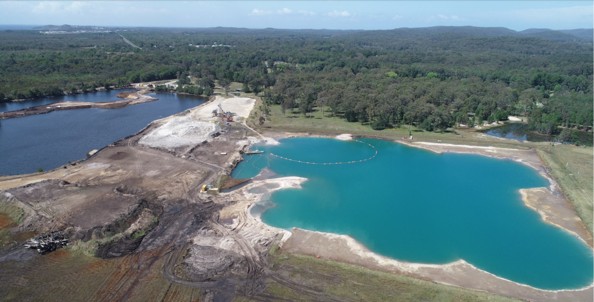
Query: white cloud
(260, 12)
(397, 17)
(52, 7)
(284, 11)
(447, 17)
(306, 13)
(281, 12)
(337, 13)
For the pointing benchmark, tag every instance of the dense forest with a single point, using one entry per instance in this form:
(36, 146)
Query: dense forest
(433, 78)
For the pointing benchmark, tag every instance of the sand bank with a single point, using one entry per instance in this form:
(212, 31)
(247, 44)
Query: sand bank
(131, 99)
(344, 137)
(460, 273)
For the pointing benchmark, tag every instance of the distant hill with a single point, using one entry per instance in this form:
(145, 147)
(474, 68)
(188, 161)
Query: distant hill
(582, 33)
(559, 35)
(72, 29)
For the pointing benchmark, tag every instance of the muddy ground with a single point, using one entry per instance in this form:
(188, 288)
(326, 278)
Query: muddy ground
(140, 209)
(130, 199)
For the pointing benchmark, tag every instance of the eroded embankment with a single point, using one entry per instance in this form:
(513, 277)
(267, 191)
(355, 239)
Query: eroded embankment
(142, 202)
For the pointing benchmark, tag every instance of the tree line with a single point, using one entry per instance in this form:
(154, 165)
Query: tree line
(433, 78)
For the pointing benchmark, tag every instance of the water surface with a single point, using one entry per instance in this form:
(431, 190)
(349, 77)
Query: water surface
(517, 131)
(47, 141)
(93, 97)
(418, 206)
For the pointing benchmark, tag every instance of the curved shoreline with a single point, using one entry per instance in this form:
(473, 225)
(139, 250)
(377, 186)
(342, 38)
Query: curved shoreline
(343, 248)
(556, 202)
(526, 157)
(134, 98)
(460, 273)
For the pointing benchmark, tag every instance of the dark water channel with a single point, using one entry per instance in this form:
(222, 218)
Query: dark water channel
(93, 97)
(50, 140)
(517, 131)
(521, 132)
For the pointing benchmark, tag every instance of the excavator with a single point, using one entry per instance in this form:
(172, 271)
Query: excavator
(225, 116)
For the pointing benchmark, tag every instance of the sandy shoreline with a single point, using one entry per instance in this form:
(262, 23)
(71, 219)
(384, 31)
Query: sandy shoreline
(548, 202)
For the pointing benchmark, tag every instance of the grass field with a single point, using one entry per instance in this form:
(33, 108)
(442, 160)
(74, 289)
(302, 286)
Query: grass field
(344, 282)
(322, 123)
(572, 168)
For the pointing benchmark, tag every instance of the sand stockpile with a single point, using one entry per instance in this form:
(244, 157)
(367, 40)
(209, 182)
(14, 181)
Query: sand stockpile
(179, 132)
(198, 125)
(240, 107)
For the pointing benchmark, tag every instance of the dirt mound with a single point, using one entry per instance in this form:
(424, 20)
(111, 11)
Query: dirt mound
(179, 132)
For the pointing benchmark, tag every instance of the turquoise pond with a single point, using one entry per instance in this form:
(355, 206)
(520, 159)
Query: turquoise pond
(417, 206)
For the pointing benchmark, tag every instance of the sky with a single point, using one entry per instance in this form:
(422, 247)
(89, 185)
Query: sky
(516, 15)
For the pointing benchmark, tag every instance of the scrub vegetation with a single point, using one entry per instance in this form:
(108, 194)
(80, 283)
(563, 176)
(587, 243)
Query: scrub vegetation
(345, 282)
(572, 169)
(432, 78)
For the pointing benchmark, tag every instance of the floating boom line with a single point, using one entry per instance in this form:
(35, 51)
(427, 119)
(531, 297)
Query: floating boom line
(332, 163)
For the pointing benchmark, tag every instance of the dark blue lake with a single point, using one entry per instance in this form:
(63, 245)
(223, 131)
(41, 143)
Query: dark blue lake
(522, 133)
(93, 97)
(50, 140)
(517, 131)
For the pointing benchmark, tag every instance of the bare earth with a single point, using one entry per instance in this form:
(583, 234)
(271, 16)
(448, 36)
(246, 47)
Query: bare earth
(149, 185)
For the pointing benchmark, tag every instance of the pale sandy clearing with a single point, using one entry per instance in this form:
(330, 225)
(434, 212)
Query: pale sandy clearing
(197, 126)
(240, 107)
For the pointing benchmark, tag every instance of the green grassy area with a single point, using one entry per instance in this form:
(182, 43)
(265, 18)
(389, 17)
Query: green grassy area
(10, 216)
(319, 122)
(571, 167)
(233, 88)
(13, 212)
(339, 281)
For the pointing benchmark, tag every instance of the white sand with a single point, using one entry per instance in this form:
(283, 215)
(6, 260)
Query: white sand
(179, 132)
(512, 118)
(197, 126)
(240, 107)
(345, 137)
